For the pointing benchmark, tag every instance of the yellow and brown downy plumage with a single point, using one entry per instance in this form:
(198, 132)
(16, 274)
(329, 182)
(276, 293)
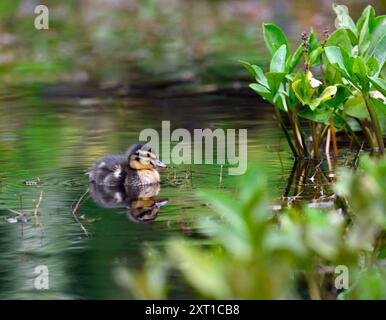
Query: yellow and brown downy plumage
(138, 167)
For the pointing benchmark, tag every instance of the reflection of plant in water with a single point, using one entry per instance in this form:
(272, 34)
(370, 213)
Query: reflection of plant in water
(350, 63)
(254, 253)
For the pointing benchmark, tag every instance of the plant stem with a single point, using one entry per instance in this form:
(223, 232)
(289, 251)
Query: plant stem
(315, 140)
(375, 123)
(328, 142)
(367, 133)
(296, 132)
(281, 123)
(333, 136)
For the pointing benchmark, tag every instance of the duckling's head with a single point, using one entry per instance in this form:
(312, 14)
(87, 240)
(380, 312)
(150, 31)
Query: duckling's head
(142, 157)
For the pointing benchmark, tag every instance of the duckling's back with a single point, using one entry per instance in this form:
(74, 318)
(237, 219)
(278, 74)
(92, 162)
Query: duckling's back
(108, 171)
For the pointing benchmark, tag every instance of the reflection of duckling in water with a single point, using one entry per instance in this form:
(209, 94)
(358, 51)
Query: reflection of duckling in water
(139, 201)
(137, 168)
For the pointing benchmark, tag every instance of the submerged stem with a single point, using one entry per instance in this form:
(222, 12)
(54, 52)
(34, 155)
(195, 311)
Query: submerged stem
(296, 133)
(315, 140)
(375, 124)
(282, 126)
(333, 136)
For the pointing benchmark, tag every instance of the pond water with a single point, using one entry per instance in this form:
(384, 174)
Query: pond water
(51, 133)
(46, 145)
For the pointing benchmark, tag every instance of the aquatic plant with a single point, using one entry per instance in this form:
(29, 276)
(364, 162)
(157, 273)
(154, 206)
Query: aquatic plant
(350, 63)
(253, 252)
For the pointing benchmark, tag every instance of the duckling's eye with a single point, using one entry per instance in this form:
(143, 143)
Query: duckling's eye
(136, 158)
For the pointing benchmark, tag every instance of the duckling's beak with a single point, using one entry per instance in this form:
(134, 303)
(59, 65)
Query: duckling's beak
(160, 164)
(160, 203)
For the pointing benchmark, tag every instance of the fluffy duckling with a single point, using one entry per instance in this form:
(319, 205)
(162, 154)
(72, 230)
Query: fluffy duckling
(137, 168)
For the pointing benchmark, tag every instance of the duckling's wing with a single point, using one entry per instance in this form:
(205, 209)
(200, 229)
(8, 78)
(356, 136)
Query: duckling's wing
(108, 170)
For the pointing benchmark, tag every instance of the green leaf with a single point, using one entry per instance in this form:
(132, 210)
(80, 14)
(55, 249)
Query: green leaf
(274, 80)
(278, 61)
(318, 115)
(373, 66)
(335, 57)
(365, 25)
(327, 94)
(274, 38)
(203, 271)
(294, 60)
(314, 55)
(340, 38)
(303, 90)
(341, 96)
(380, 51)
(262, 91)
(377, 34)
(355, 107)
(332, 74)
(312, 41)
(379, 83)
(256, 71)
(360, 70)
(249, 67)
(343, 18)
(379, 106)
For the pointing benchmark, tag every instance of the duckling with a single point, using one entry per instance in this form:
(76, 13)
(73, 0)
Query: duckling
(137, 168)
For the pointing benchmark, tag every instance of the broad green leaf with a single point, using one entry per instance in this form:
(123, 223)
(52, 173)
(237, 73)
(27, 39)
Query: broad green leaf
(274, 80)
(262, 91)
(377, 34)
(360, 70)
(373, 66)
(355, 107)
(312, 41)
(274, 38)
(225, 206)
(318, 115)
(201, 270)
(368, 15)
(380, 106)
(327, 94)
(343, 19)
(295, 58)
(342, 62)
(380, 51)
(278, 60)
(256, 72)
(342, 93)
(302, 90)
(314, 55)
(249, 67)
(340, 38)
(334, 56)
(365, 25)
(332, 74)
(379, 83)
